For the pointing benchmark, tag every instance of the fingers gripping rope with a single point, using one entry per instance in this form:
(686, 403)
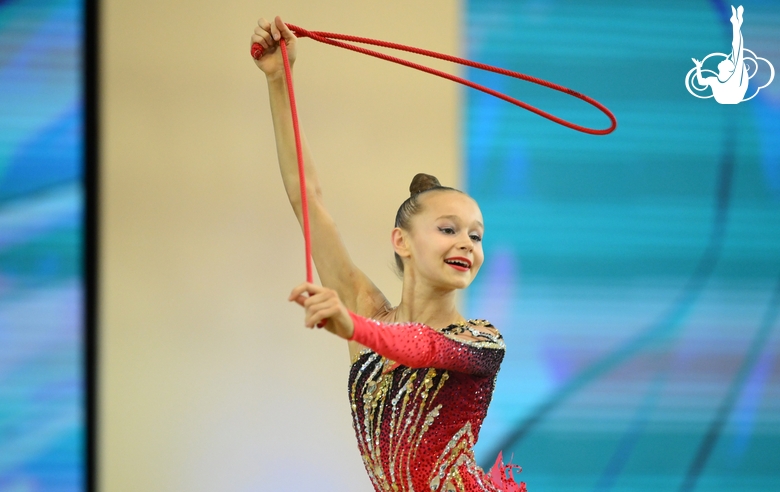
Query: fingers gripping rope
(335, 39)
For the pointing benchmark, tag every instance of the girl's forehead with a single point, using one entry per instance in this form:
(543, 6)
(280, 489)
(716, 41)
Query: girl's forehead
(452, 204)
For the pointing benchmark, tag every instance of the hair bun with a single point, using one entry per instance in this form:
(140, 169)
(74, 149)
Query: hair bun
(422, 182)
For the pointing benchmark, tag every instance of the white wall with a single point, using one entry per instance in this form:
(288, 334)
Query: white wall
(208, 379)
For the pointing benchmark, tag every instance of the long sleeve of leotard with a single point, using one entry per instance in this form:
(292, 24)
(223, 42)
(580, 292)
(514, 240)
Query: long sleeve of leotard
(418, 345)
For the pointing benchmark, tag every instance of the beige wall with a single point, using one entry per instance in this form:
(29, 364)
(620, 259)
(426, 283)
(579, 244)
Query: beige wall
(208, 379)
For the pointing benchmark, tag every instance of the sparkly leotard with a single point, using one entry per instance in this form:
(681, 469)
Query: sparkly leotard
(418, 399)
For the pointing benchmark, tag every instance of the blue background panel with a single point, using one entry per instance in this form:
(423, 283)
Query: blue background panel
(42, 389)
(635, 276)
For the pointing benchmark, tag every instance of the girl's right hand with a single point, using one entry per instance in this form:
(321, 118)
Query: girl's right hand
(323, 309)
(268, 35)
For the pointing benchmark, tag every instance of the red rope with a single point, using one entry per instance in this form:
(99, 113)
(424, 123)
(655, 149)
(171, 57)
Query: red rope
(331, 39)
(299, 153)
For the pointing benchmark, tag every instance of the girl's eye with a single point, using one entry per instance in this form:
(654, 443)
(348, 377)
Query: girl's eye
(476, 238)
(448, 230)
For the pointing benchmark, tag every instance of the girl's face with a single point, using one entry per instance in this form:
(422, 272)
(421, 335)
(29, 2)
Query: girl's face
(444, 245)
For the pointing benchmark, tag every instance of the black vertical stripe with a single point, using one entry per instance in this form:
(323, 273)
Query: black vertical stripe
(91, 91)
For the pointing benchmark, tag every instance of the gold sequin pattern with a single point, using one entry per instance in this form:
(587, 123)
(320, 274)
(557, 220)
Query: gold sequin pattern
(416, 427)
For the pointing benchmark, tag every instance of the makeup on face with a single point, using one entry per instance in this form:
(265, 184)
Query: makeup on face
(453, 229)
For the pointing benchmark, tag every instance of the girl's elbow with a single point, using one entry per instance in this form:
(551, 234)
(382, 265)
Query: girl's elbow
(315, 191)
(295, 201)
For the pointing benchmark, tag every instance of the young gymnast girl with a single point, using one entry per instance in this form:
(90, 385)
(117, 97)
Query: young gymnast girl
(422, 375)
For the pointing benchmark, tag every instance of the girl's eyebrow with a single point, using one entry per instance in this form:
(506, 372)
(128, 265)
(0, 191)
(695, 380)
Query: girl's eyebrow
(456, 218)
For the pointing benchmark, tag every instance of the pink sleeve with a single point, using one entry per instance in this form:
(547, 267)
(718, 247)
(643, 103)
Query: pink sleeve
(417, 345)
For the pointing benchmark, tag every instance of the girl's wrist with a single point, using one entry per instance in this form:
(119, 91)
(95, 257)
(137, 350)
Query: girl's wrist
(277, 75)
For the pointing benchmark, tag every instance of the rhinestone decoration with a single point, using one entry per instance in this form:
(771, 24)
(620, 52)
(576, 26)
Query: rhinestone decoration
(416, 427)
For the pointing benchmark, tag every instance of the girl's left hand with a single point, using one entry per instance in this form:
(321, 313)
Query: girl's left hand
(323, 304)
(269, 35)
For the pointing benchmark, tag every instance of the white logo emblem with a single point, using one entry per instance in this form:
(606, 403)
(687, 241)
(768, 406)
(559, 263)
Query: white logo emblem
(730, 83)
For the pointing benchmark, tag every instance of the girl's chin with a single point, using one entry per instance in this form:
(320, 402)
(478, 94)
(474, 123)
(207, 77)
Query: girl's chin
(464, 283)
(448, 284)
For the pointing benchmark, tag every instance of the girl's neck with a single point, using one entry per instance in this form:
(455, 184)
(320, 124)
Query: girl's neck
(435, 308)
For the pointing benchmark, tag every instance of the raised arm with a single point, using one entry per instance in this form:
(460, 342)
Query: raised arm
(334, 266)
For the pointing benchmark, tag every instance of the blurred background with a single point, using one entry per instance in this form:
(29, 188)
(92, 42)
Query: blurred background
(635, 276)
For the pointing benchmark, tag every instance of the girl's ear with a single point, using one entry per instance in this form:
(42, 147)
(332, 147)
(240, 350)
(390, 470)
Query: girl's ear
(400, 242)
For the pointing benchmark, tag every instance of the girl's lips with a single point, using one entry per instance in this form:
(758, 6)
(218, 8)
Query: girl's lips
(458, 267)
(459, 263)
(459, 259)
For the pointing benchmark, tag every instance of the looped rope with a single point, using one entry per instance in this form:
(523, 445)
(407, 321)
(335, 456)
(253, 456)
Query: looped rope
(331, 38)
(335, 39)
